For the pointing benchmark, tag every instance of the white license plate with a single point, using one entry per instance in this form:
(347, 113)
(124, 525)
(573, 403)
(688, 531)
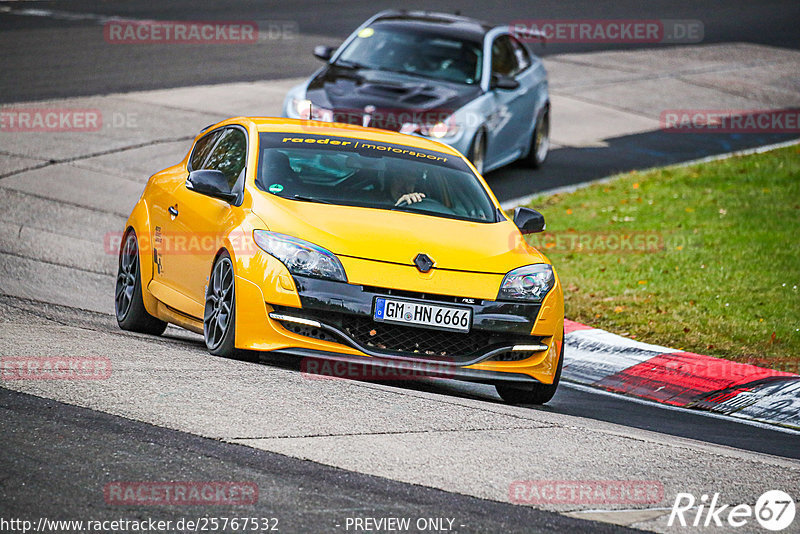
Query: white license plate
(412, 312)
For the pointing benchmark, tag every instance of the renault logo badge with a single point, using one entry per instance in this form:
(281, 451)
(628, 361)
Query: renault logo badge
(423, 262)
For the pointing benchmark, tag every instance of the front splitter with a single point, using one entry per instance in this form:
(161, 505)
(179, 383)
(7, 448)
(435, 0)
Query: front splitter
(377, 369)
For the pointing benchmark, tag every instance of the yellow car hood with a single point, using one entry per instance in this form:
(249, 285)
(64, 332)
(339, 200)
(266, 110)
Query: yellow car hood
(398, 236)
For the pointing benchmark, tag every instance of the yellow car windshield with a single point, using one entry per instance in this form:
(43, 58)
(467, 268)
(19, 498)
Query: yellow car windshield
(354, 172)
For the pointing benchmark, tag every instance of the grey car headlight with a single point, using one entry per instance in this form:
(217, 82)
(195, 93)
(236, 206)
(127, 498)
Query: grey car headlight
(301, 107)
(439, 130)
(530, 283)
(301, 257)
(306, 110)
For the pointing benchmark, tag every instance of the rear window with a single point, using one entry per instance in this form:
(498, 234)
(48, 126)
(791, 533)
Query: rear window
(353, 172)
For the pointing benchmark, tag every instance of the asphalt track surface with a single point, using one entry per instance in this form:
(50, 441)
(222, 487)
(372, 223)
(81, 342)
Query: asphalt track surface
(63, 453)
(57, 457)
(42, 60)
(74, 446)
(572, 400)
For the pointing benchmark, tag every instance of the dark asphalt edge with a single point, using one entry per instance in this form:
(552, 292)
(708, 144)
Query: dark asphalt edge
(258, 460)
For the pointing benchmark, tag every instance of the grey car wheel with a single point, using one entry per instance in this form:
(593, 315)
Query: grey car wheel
(540, 141)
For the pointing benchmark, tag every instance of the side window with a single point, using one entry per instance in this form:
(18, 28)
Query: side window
(504, 62)
(230, 155)
(521, 53)
(202, 148)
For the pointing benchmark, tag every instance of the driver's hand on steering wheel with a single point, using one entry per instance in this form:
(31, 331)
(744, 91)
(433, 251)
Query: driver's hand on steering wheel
(410, 198)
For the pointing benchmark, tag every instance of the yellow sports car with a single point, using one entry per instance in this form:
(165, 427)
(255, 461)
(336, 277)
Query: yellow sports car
(347, 244)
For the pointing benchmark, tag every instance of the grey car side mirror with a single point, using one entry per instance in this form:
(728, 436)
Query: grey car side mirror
(323, 52)
(506, 83)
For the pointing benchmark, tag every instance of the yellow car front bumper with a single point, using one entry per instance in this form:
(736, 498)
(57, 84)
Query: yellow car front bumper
(333, 320)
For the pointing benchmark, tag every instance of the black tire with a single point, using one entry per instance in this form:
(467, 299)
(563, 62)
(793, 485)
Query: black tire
(219, 314)
(128, 304)
(540, 141)
(539, 394)
(477, 151)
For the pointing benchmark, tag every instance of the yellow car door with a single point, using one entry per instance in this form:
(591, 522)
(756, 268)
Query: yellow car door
(189, 226)
(203, 221)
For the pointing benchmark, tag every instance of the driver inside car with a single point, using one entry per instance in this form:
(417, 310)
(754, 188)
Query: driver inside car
(401, 185)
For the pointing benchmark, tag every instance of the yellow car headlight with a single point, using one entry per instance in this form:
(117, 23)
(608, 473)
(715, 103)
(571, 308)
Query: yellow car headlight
(530, 283)
(301, 257)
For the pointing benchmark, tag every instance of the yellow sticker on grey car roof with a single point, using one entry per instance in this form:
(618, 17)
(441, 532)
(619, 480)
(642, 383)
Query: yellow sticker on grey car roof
(366, 32)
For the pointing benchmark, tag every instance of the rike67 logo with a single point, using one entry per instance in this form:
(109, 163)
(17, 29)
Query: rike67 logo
(774, 510)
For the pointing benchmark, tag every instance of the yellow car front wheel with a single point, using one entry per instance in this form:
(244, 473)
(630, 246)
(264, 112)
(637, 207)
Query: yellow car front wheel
(219, 316)
(538, 394)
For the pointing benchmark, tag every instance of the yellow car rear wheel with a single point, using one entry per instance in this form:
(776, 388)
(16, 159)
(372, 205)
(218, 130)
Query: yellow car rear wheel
(128, 304)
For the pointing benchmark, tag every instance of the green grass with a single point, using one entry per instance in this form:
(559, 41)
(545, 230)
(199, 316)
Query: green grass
(725, 278)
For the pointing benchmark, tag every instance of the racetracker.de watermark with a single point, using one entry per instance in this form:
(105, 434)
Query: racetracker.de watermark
(315, 369)
(172, 493)
(627, 31)
(50, 120)
(197, 32)
(586, 492)
(730, 120)
(166, 243)
(54, 368)
(64, 120)
(436, 122)
(720, 369)
(612, 242)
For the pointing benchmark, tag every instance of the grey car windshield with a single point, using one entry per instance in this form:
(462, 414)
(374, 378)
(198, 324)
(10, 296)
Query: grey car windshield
(355, 172)
(415, 52)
